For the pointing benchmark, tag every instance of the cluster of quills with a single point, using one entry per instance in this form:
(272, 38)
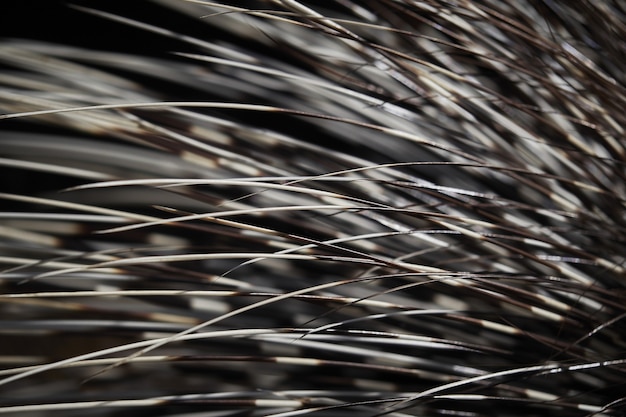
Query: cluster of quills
(314, 208)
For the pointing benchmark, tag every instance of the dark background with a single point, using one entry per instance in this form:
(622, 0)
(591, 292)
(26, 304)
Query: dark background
(57, 21)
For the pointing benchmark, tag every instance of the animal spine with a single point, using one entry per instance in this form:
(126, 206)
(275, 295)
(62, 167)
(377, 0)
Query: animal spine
(317, 208)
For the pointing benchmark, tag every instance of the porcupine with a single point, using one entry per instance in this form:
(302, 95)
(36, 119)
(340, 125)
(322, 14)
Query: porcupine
(279, 208)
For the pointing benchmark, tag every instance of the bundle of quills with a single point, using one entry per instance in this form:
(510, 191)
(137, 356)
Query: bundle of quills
(334, 208)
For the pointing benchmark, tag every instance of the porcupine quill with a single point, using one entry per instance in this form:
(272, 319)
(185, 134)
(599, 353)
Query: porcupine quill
(339, 208)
